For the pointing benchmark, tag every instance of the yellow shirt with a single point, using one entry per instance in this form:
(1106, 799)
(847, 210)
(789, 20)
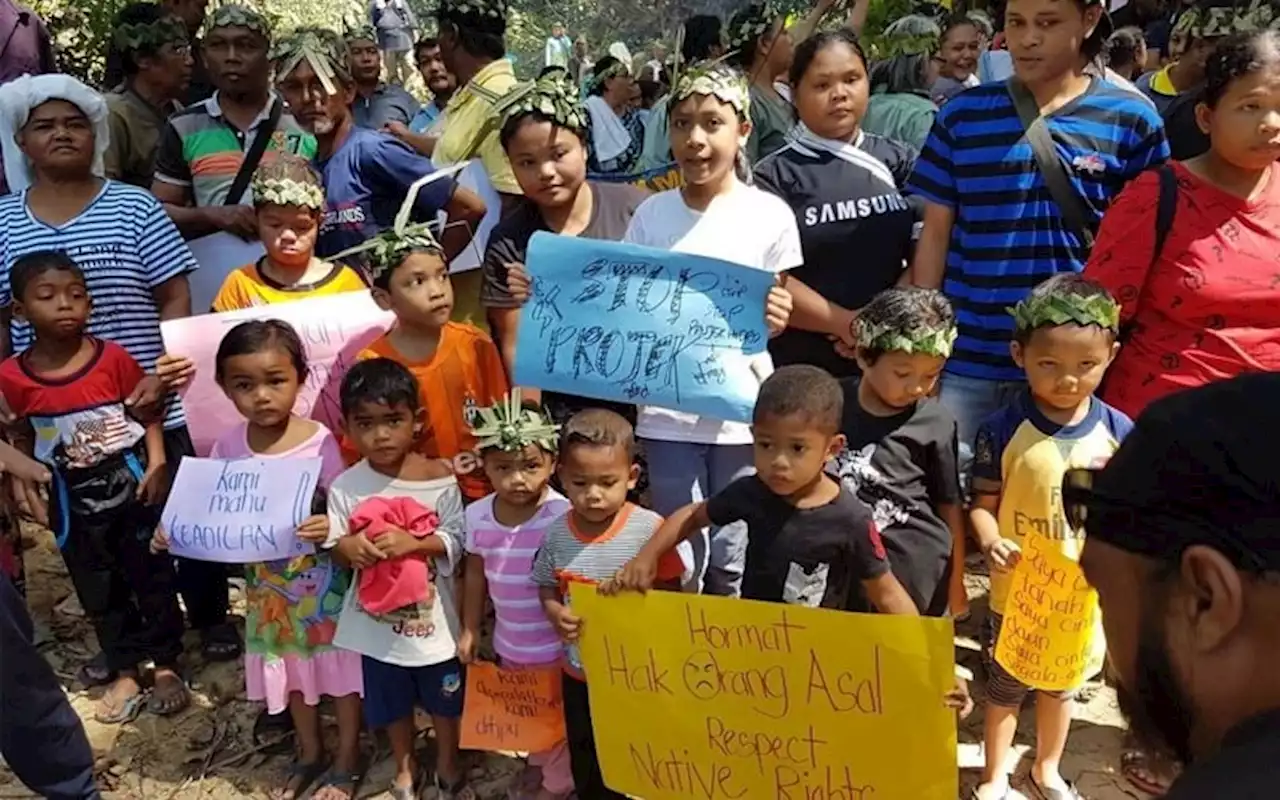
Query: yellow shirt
(469, 114)
(1021, 455)
(248, 287)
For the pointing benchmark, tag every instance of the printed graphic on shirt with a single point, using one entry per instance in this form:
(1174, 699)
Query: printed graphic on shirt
(84, 438)
(855, 470)
(805, 587)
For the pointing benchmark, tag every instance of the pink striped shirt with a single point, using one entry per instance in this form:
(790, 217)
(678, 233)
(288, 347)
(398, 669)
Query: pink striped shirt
(521, 633)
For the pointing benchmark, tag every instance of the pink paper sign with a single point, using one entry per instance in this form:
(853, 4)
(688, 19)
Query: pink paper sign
(334, 329)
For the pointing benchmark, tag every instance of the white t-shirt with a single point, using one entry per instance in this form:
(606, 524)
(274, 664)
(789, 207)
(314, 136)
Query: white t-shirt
(745, 226)
(384, 641)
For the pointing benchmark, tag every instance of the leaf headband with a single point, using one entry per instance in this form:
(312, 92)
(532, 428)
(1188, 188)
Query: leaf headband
(714, 79)
(287, 192)
(321, 48)
(136, 37)
(750, 24)
(237, 16)
(1224, 20)
(612, 71)
(510, 427)
(889, 338)
(364, 32)
(1048, 310)
(553, 95)
(390, 247)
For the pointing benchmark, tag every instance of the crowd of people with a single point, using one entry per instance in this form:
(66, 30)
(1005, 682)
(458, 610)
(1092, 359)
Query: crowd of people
(988, 266)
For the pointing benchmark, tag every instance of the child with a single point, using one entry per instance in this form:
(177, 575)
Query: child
(109, 477)
(412, 662)
(1064, 339)
(456, 365)
(289, 201)
(815, 538)
(588, 545)
(504, 531)
(901, 450)
(714, 214)
(290, 660)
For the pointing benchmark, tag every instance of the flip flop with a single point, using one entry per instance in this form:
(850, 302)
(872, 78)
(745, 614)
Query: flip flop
(1136, 769)
(277, 728)
(168, 703)
(1045, 793)
(305, 774)
(127, 712)
(348, 782)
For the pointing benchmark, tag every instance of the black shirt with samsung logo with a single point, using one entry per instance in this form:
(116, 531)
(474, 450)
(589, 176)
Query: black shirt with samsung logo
(856, 229)
(801, 556)
(904, 468)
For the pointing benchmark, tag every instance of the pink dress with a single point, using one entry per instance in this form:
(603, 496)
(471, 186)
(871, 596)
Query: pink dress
(293, 604)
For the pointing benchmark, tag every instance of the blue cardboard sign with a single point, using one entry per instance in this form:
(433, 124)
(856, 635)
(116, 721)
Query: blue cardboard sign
(639, 325)
(240, 511)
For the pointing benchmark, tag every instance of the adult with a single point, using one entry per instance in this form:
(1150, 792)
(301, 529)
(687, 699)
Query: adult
(993, 228)
(53, 130)
(473, 48)
(155, 55)
(1126, 52)
(901, 106)
(545, 135)
(559, 48)
(27, 48)
(376, 104)
(1205, 307)
(616, 131)
(394, 22)
(1181, 549)
(844, 186)
(658, 63)
(41, 737)
(203, 148)
(580, 66)
(957, 57)
(192, 14)
(703, 41)
(439, 81)
(366, 173)
(760, 45)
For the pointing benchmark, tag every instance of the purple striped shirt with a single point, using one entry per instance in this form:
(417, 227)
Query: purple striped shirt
(521, 633)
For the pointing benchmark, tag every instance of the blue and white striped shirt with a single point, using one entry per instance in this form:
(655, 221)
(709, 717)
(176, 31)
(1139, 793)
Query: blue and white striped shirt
(1009, 234)
(127, 246)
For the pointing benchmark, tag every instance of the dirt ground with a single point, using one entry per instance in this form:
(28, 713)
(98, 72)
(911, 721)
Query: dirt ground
(207, 752)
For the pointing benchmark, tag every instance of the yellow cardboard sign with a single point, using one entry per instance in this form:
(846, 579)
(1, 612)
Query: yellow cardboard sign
(720, 699)
(1051, 637)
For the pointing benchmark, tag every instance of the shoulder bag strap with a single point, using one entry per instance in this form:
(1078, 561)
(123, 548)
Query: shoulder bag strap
(1056, 174)
(254, 157)
(1166, 208)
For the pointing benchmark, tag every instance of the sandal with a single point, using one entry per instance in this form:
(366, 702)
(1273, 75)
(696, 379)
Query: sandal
(1136, 769)
(127, 711)
(299, 778)
(220, 643)
(1045, 793)
(346, 782)
(96, 672)
(173, 700)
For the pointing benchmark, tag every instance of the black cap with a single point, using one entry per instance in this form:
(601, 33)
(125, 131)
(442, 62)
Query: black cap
(1200, 467)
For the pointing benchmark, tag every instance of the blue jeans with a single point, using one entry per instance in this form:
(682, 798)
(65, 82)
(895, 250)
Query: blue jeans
(681, 473)
(970, 401)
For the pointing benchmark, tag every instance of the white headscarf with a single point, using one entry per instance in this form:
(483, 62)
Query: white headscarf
(18, 98)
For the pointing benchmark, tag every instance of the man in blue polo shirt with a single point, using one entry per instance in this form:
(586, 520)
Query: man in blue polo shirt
(992, 228)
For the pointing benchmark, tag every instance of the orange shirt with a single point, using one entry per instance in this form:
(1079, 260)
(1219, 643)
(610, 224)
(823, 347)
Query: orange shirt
(247, 287)
(464, 373)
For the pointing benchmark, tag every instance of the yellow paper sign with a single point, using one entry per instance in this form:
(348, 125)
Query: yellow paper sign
(1051, 637)
(720, 699)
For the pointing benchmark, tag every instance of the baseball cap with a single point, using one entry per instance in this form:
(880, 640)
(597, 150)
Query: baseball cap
(1201, 467)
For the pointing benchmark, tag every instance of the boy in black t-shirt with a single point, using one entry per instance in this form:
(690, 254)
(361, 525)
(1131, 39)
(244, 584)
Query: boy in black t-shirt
(809, 539)
(902, 453)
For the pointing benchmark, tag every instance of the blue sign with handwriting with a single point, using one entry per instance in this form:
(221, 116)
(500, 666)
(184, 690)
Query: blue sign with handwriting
(240, 511)
(639, 325)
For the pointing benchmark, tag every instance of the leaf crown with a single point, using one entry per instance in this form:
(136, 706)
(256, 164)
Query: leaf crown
(554, 96)
(148, 36)
(510, 427)
(930, 340)
(233, 15)
(1066, 308)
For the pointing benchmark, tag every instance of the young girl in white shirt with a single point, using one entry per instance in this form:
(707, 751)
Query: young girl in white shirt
(715, 214)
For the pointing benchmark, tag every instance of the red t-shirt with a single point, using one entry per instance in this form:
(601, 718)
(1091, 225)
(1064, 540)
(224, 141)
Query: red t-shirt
(79, 419)
(1209, 308)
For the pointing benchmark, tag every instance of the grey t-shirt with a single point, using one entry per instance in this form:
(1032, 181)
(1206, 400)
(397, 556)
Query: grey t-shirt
(388, 103)
(611, 213)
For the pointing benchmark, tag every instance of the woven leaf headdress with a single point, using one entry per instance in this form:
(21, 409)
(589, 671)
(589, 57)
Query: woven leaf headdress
(510, 427)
